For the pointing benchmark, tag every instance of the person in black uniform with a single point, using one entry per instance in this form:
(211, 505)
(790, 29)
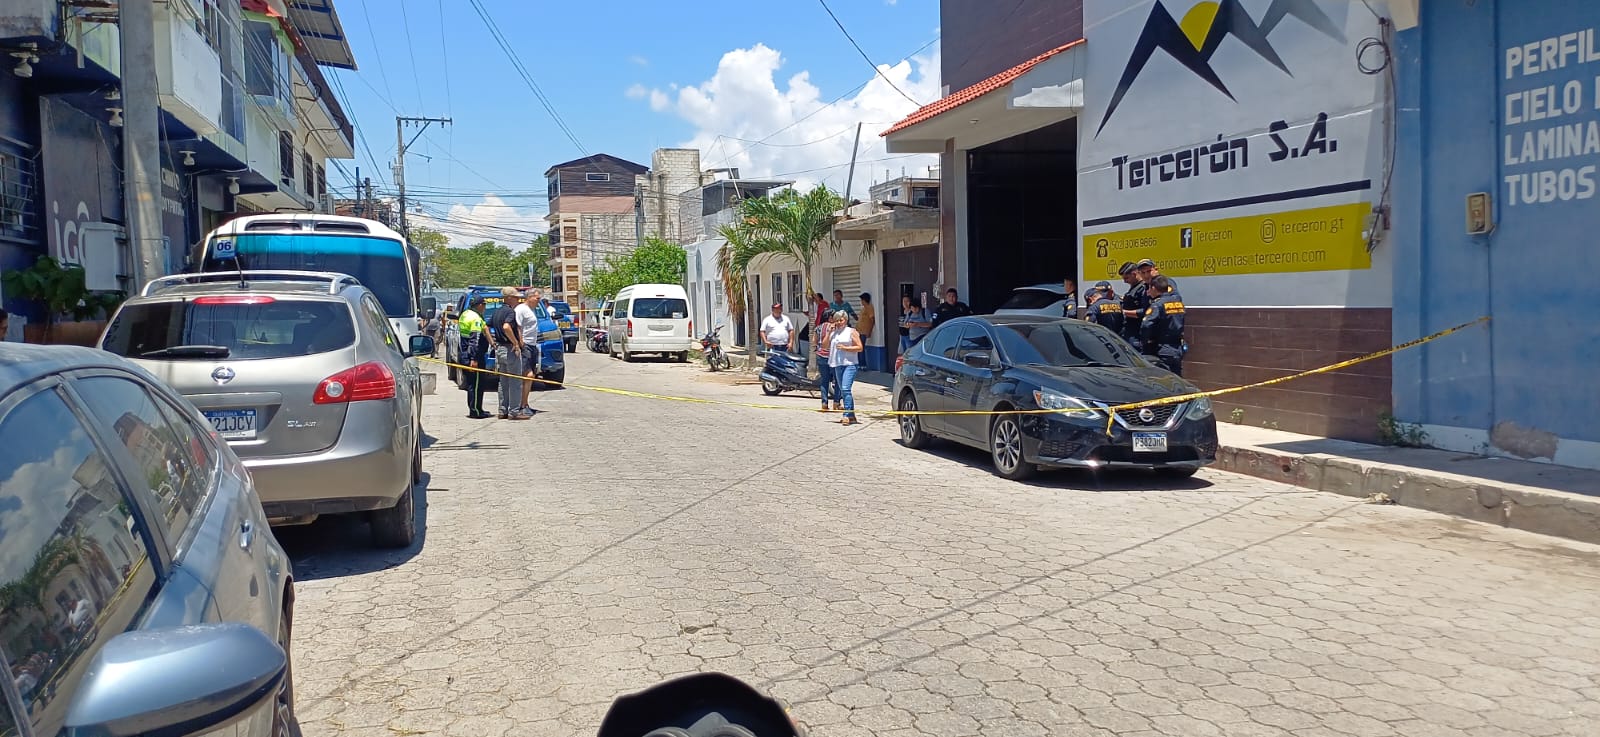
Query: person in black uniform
(1148, 271)
(1133, 304)
(1105, 309)
(1162, 328)
(952, 307)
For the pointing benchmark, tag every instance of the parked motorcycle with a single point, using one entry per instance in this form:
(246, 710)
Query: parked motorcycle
(700, 705)
(711, 346)
(599, 340)
(785, 371)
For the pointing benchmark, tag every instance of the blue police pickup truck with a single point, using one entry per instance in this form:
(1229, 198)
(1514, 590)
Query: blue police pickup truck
(552, 343)
(568, 322)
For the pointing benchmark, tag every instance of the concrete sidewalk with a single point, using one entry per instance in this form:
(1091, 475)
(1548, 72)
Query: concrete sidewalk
(1536, 497)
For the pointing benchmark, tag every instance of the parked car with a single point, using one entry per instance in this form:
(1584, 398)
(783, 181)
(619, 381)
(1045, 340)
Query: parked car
(129, 534)
(1042, 300)
(1004, 363)
(651, 318)
(552, 344)
(303, 376)
(568, 322)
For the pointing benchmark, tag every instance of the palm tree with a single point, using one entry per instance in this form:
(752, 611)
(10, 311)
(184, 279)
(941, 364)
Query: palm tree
(788, 224)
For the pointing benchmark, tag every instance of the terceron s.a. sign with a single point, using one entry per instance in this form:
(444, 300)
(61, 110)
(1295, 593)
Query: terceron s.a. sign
(1228, 137)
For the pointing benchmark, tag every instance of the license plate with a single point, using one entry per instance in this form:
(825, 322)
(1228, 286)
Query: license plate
(1149, 442)
(660, 328)
(565, 324)
(233, 424)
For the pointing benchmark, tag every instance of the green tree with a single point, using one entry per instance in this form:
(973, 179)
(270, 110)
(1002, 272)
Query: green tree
(492, 264)
(433, 244)
(790, 224)
(655, 262)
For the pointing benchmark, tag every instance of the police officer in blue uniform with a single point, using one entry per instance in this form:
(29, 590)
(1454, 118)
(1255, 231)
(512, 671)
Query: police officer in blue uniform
(1162, 327)
(1104, 308)
(1133, 303)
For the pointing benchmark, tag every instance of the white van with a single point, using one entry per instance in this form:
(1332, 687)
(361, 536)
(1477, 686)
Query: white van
(651, 318)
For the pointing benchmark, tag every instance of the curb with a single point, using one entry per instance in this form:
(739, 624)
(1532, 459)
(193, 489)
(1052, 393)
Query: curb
(1530, 509)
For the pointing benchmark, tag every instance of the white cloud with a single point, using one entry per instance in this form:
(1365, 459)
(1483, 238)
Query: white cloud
(489, 219)
(640, 60)
(638, 92)
(745, 99)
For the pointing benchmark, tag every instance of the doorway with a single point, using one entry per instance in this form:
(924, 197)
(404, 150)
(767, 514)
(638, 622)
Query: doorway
(1022, 214)
(907, 272)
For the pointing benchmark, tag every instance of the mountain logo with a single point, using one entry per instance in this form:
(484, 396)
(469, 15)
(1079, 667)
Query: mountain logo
(1194, 40)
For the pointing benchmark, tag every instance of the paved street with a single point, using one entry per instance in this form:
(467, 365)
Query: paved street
(611, 542)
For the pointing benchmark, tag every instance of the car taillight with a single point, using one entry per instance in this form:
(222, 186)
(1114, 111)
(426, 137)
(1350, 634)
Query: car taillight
(235, 299)
(365, 382)
(691, 328)
(898, 362)
(630, 328)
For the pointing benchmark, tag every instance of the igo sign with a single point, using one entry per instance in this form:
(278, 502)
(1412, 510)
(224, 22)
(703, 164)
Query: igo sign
(224, 250)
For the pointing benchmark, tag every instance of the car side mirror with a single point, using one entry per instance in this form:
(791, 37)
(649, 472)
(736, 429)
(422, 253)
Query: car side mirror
(422, 345)
(429, 314)
(177, 682)
(978, 359)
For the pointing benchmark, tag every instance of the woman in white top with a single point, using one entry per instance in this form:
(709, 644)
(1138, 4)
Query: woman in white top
(844, 355)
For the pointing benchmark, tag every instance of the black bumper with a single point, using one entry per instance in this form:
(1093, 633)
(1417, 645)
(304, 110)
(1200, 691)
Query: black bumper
(1061, 442)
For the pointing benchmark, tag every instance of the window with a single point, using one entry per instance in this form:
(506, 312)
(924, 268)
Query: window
(1064, 344)
(379, 263)
(378, 322)
(798, 299)
(777, 290)
(322, 181)
(597, 176)
(941, 340)
(76, 569)
(620, 309)
(569, 233)
(266, 65)
(572, 267)
(555, 251)
(570, 252)
(17, 187)
(552, 185)
(280, 329)
(572, 283)
(286, 157)
(555, 282)
(172, 461)
(660, 308)
(973, 339)
(309, 172)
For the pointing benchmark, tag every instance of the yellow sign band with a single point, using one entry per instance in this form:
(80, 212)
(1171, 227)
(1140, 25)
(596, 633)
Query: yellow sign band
(1317, 239)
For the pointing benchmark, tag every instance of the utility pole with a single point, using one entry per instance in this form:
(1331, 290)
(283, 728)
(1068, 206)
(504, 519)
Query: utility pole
(141, 142)
(400, 158)
(638, 215)
(850, 179)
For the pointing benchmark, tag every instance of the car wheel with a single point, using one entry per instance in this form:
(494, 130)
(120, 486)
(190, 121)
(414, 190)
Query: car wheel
(284, 721)
(1005, 447)
(627, 357)
(1175, 473)
(396, 527)
(683, 357)
(771, 388)
(911, 434)
(416, 465)
(558, 377)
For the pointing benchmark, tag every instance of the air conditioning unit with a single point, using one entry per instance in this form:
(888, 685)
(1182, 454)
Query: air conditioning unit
(325, 204)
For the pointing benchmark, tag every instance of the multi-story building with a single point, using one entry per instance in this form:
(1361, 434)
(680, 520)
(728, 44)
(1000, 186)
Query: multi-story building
(246, 122)
(1252, 172)
(604, 206)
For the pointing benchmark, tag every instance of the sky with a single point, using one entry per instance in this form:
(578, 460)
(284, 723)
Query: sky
(626, 77)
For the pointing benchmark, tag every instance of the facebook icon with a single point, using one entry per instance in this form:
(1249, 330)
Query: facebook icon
(1188, 238)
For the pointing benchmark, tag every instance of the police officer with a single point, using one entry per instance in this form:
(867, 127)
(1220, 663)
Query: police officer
(1148, 271)
(1162, 328)
(1133, 303)
(1105, 309)
(474, 353)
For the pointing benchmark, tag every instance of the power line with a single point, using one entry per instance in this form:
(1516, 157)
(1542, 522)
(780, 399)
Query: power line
(411, 47)
(522, 71)
(377, 50)
(863, 53)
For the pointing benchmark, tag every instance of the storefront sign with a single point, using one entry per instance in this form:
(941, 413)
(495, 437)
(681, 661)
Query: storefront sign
(79, 176)
(1551, 122)
(1229, 138)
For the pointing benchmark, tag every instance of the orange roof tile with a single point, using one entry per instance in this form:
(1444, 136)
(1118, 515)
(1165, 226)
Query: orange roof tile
(964, 96)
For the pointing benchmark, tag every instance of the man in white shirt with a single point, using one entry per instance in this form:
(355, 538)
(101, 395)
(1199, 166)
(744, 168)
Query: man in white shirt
(528, 321)
(777, 330)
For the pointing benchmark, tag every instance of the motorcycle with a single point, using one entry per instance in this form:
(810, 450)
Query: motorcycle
(599, 340)
(711, 346)
(701, 705)
(785, 371)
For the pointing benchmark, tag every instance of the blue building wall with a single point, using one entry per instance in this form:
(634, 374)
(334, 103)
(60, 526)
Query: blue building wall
(1526, 385)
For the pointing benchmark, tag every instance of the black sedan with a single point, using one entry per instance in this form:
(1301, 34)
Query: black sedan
(999, 363)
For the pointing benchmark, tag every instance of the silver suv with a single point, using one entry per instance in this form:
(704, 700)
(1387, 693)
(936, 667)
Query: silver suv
(303, 376)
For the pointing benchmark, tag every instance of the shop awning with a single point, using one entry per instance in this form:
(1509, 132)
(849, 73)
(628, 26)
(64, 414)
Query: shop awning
(324, 37)
(1043, 90)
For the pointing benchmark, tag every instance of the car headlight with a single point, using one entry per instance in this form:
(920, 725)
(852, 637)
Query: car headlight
(1069, 406)
(1199, 409)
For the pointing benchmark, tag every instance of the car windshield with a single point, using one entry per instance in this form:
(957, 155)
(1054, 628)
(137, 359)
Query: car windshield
(1031, 299)
(1065, 343)
(378, 263)
(561, 308)
(660, 308)
(210, 329)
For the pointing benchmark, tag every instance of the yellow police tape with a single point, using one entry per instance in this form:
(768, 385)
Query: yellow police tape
(1109, 411)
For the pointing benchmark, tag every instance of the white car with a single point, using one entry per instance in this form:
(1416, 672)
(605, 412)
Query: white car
(1044, 300)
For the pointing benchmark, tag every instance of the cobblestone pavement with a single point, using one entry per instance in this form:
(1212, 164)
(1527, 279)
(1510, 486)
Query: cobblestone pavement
(612, 542)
